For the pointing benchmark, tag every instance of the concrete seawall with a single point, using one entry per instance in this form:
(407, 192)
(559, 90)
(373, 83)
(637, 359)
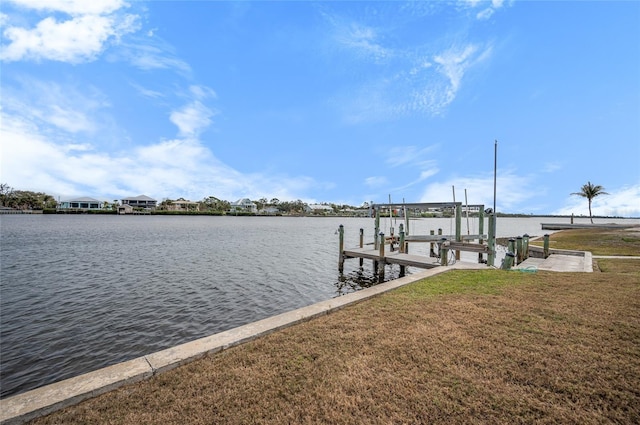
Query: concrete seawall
(23, 407)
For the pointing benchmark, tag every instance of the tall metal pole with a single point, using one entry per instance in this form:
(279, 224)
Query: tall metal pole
(495, 168)
(492, 217)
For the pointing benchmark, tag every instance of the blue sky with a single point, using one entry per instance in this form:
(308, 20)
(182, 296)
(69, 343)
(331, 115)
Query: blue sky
(341, 102)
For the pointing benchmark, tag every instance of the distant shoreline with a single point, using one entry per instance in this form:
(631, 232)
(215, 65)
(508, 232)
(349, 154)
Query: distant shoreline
(225, 214)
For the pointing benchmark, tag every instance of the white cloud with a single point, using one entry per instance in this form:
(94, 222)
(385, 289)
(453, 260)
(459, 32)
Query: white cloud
(192, 119)
(420, 78)
(424, 175)
(68, 119)
(376, 181)
(359, 39)
(66, 107)
(424, 83)
(151, 54)
(153, 94)
(202, 92)
(72, 7)
(401, 155)
(82, 147)
(363, 40)
(171, 168)
(486, 12)
(454, 63)
(78, 39)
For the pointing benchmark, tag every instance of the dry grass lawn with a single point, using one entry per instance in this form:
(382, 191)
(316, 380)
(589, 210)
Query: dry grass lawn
(489, 347)
(600, 241)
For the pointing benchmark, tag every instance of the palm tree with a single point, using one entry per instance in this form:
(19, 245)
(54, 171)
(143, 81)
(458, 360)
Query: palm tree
(590, 191)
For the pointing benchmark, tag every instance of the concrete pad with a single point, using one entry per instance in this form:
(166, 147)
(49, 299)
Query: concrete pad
(559, 263)
(49, 398)
(563, 263)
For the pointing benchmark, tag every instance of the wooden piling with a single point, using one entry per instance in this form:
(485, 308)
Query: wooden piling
(491, 257)
(432, 246)
(377, 229)
(546, 246)
(444, 252)
(341, 247)
(519, 256)
(406, 219)
(402, 267)
(507, 263)
(381, 262)
(525, 246)
(458, 228)
(361, 245)
(480, 230)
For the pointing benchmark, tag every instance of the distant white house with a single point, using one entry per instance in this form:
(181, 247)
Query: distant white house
(320, 209)
(244, 205)
(84, 203)
(141, 201)
(183, 205)
(269, 211)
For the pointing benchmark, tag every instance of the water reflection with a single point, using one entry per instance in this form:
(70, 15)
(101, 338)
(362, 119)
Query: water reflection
(365, 277)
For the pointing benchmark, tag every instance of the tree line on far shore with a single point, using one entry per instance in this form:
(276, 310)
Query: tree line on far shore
(28, 200)
(25, 199)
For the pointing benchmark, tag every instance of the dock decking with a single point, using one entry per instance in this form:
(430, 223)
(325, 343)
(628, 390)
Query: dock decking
(393, 257)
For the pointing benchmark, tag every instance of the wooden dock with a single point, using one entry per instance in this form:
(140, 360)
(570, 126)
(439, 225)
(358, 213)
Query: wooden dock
(444, 249)
(393, 257)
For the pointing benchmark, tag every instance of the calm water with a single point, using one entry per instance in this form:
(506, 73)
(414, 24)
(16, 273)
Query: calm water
(80, 292)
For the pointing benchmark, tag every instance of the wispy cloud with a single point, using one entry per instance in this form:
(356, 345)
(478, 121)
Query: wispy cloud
(424, 78)
(401, 155)
(152, 94)
(150, 53)
(80, 38)
(454, 63)
(487, 7)
(65, 107)
(376, 181)
(362, 40)
(194, 117)
(424, 175)
(415, 161)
